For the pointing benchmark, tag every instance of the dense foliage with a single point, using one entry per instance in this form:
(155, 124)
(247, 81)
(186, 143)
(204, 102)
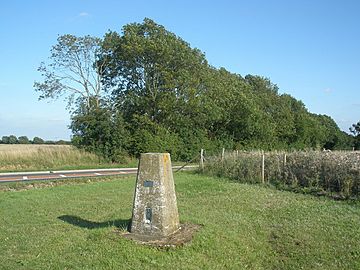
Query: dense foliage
(160, 94)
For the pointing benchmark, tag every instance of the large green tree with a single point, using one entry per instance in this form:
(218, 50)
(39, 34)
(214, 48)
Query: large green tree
(23, 140)
(38, 140)
(73, 71)
(156, 77)
(76, 73)
(99, 131)
(146, 89)
(5, 139)
(13, 139)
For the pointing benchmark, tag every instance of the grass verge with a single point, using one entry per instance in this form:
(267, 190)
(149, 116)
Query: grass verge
(71, 226)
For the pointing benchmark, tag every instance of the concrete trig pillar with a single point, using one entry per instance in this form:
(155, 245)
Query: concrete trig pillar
(155, 211)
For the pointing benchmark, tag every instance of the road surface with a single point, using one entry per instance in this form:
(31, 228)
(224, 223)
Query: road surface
(56, 175)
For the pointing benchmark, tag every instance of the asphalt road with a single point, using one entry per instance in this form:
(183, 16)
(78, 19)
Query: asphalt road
(56, 175)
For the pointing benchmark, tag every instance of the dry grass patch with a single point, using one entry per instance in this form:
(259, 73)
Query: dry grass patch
(44, 157)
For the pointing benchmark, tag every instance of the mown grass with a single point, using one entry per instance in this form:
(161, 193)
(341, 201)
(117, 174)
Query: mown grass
(72, 226)
(50, 157)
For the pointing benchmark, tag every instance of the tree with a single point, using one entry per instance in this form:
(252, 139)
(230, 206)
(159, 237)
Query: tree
(155, 75)
(23, 140)
(100, 132)
(146, 89)
(62, 142)
(13, 139)
(38, 140)
(150, 68)
(73, 72)
(355, 129)
(5, 139)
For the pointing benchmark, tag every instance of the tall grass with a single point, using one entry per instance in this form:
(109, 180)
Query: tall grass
(332, 173)
(39, 157)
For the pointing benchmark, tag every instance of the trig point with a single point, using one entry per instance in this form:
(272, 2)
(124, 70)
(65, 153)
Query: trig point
(155, 218)
(155, 212)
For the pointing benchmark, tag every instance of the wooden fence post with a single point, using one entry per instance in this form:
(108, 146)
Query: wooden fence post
(202, 159)
(263, 167)
(223, 155)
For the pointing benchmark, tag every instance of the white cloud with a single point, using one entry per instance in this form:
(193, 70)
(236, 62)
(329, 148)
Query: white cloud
(79, 17)
(84, 14)
(328, 90)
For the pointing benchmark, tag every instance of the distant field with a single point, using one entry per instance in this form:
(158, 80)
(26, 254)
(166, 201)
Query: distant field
(72, 226)
(46, 157)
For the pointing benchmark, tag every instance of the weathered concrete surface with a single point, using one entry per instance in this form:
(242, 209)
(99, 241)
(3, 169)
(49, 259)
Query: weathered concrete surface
(155, 212)
(181, 237)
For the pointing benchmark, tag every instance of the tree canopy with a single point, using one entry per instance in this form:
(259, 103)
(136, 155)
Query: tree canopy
(164, 96)
(355, 129)
(73, 71)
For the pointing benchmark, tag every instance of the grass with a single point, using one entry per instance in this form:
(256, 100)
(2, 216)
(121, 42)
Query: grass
(50, 157)
(71, 226)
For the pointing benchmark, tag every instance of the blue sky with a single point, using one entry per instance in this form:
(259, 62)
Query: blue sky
(310, 49)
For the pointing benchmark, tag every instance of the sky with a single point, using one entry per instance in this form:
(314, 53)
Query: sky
(310, 49)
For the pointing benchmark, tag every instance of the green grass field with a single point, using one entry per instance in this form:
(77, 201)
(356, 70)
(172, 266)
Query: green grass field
(72, 226)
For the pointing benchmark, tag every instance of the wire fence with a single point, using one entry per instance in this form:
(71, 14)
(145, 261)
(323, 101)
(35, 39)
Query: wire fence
(323, 172)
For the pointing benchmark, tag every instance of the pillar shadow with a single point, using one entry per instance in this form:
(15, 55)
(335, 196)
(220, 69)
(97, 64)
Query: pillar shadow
(83, 223)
